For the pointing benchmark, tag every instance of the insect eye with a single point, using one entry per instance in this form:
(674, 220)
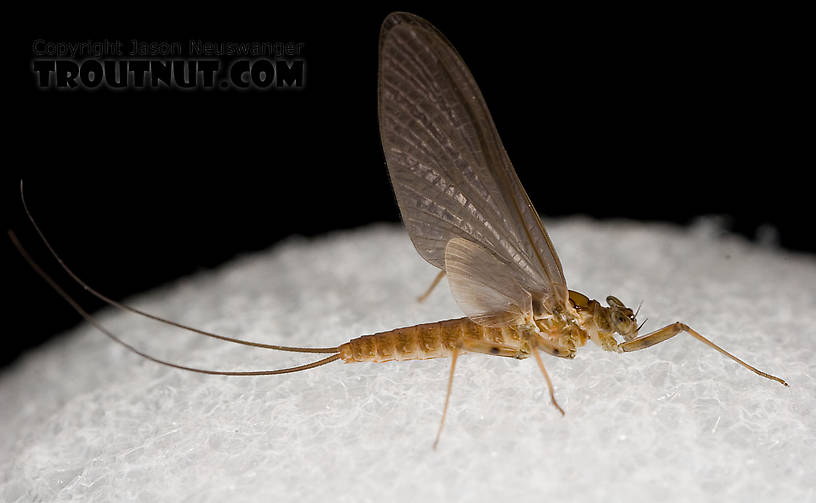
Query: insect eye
(614, 302)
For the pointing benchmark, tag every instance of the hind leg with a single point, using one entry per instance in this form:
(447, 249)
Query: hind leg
(454, 356)
(430, 289)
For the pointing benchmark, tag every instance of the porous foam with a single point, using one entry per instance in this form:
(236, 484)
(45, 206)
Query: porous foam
(84, 420)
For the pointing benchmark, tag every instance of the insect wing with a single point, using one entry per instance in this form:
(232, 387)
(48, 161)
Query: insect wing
(482, 287)
(450, 172)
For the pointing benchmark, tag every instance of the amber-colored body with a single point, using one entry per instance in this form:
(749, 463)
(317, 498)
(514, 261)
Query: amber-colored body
(468, 215)
(559, 335)
(435, 340)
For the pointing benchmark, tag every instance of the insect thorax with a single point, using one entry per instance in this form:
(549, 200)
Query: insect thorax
(599, 323)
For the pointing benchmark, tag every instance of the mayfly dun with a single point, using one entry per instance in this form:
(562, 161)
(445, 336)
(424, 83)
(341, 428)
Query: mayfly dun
(466, 214)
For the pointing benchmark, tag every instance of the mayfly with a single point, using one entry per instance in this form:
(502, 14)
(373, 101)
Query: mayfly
(466, 214)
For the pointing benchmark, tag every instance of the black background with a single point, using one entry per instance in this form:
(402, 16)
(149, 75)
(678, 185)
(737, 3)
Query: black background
(657, 114)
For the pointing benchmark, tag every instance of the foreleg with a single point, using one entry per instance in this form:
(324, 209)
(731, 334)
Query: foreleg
(670, 331)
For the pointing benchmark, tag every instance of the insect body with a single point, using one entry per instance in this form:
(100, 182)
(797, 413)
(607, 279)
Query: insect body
(467, 214)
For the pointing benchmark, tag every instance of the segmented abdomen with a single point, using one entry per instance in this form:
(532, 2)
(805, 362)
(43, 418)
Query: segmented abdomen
(422, 342)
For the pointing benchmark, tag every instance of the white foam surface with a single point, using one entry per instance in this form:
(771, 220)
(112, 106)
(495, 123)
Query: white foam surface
(84, 420)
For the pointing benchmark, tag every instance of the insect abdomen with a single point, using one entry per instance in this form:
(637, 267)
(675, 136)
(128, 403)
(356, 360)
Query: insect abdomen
(420, 342)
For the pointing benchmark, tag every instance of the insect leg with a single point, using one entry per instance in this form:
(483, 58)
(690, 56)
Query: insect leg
(430, 289)
(670, 331)
(454, 356)
(490, 348)
(547, 377)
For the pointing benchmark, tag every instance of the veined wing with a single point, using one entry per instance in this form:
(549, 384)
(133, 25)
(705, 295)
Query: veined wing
(482, 287)
(449, 169)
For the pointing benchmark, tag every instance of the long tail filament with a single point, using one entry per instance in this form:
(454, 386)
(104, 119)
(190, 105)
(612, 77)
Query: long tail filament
(124, 307)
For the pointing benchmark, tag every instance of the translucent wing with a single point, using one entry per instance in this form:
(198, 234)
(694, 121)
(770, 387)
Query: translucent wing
(481, 286)
(450, 172)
